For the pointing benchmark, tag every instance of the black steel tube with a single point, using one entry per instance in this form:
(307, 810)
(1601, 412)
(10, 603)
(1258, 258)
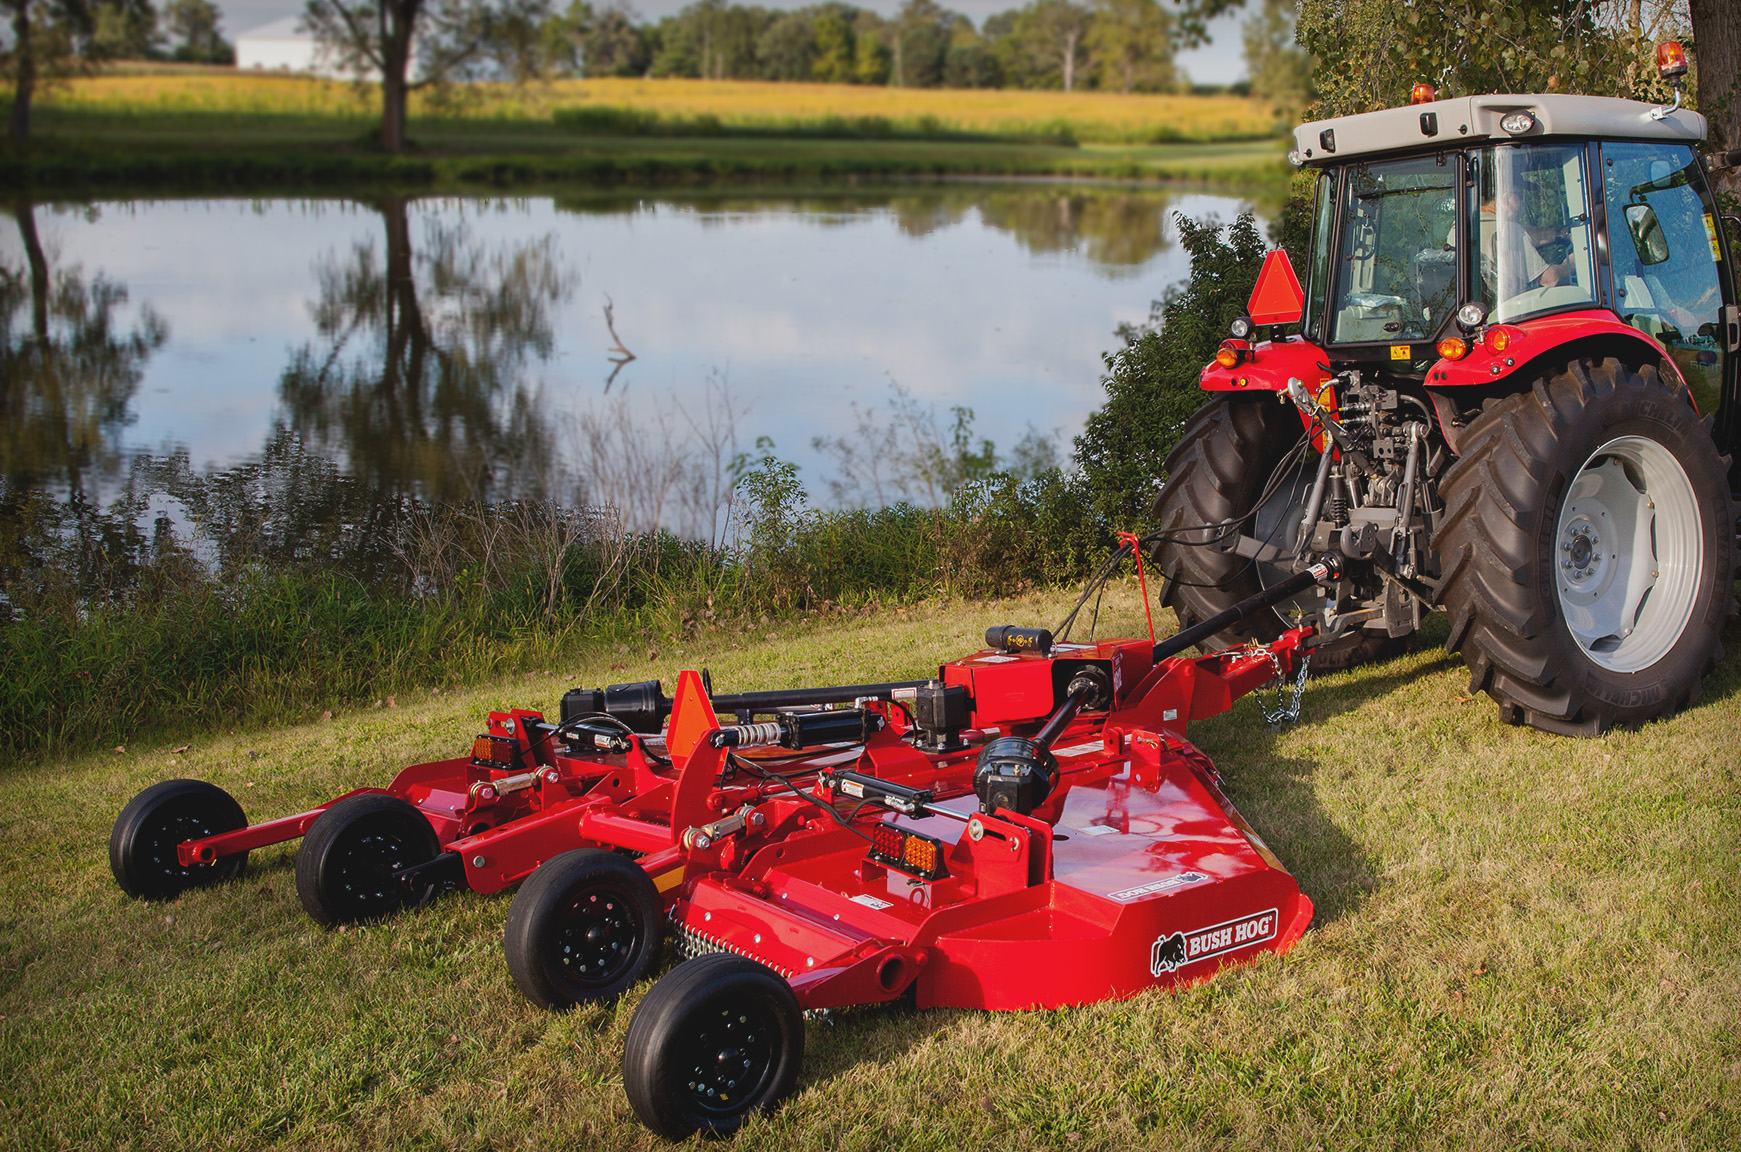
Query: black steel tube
(1060, 720)
(1250, 606)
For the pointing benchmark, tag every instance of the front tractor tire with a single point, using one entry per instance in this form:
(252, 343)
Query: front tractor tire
(1222, 463)
(1586, 550)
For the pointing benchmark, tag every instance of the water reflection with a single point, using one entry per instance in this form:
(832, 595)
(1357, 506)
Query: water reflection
(373, 357)
(418, 377)
(69, 366)
(1117, 229)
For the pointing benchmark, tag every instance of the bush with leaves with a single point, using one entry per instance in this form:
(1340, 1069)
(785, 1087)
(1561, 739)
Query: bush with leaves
(1152, 382)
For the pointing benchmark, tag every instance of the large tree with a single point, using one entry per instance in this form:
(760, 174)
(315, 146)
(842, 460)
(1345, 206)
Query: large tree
(410, 44)
(1717, 55)
(43, 32)
(1132, 47)
(1042, 45)
(1279, 71)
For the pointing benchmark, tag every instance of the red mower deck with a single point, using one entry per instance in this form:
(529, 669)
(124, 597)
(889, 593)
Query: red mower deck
(1028, 829)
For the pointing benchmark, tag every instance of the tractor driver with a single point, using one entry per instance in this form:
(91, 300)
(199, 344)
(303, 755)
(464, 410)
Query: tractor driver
(1544, 254)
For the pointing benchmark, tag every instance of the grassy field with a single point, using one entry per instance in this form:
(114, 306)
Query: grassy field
(216, 128)
(1102, 117)
(1522, 941)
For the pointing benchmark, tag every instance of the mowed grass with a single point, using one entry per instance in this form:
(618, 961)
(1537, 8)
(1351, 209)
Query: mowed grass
(1522, 941)
(1106, 117)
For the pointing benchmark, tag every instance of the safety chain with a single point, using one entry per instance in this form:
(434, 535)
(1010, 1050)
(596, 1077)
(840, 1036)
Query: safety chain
(1283, 713)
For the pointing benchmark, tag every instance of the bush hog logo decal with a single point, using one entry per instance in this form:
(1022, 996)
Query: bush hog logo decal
(1172, 953)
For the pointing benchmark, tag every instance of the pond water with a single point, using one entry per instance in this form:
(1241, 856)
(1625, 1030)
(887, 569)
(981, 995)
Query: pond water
(568, 346)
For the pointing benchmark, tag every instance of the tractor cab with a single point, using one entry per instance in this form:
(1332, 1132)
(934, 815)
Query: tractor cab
(1435, 223)
(1511, 398)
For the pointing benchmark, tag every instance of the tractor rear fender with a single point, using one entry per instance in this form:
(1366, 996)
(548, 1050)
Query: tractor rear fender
(1547, 344)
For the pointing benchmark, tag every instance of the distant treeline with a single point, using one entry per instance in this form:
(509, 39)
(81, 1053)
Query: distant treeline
(1114, 45)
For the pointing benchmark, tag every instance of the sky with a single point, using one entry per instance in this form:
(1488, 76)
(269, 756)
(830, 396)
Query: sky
(1218, 62)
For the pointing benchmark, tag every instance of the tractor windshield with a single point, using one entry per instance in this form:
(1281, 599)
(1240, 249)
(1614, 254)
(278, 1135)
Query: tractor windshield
(1397, 274)
(1531, 219)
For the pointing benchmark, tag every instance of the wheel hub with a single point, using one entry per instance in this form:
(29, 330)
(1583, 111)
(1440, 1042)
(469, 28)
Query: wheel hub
(731, 1060)
(599, 939)
(1629, 551)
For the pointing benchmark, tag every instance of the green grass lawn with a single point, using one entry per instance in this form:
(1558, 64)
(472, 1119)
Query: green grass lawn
(1522, 941)
(77, 147)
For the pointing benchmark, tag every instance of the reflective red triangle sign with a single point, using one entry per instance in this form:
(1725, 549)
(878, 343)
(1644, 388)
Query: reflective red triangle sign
(1277, 298)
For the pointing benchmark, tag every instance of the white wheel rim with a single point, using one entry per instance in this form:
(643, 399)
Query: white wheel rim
(1627, 554)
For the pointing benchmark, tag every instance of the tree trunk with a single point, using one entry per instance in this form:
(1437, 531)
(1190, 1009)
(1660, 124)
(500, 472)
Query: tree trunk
(1070, 58)
(1717, 42)
(25, 213)
(398, 20)
(26, 85)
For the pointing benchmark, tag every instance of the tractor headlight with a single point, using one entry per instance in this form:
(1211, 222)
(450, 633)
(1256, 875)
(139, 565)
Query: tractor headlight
(1241, 328)
(1295, 158)
(1517, 123)
(1471, 316)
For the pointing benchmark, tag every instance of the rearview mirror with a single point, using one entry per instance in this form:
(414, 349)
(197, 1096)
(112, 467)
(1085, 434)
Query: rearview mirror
(1647, 235)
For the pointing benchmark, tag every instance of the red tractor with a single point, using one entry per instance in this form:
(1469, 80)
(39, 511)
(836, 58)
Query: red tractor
(1512, 397)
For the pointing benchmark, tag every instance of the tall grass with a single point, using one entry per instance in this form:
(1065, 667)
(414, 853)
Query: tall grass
(797, 109)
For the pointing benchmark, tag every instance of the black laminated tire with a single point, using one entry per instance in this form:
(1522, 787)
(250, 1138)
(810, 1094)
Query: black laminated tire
(1217, 471)
(1587, 550)
(718, 1038)
(344, 869)
(143, 840)
(586, 926)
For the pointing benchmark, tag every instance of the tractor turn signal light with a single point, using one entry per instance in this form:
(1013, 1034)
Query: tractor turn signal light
(1423, 94)
(1453, 348)
(1499, 337)
(1231, 353)
(907, 851)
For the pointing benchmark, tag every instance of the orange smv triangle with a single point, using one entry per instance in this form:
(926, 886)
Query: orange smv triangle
(692, 716)
(1276, 298)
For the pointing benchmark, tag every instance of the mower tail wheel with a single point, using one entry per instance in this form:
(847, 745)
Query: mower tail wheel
(142, 843)
(717, 1039)
(586, 926)
(345, 867)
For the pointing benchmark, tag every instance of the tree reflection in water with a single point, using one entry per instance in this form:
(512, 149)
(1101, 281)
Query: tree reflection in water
(418, 377)
(69, 367)
(1118, 229)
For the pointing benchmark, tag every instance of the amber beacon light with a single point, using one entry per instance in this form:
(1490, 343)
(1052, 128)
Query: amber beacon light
(1426, 93)
(1671, 59)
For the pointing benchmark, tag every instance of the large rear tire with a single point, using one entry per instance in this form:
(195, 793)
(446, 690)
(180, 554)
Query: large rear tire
(1587, 550)
(1216, 473)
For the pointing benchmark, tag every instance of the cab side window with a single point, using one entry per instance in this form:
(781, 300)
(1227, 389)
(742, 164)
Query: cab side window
(1662, 237)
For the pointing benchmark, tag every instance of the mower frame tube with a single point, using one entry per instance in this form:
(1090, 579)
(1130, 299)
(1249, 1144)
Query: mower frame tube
(209, 848)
